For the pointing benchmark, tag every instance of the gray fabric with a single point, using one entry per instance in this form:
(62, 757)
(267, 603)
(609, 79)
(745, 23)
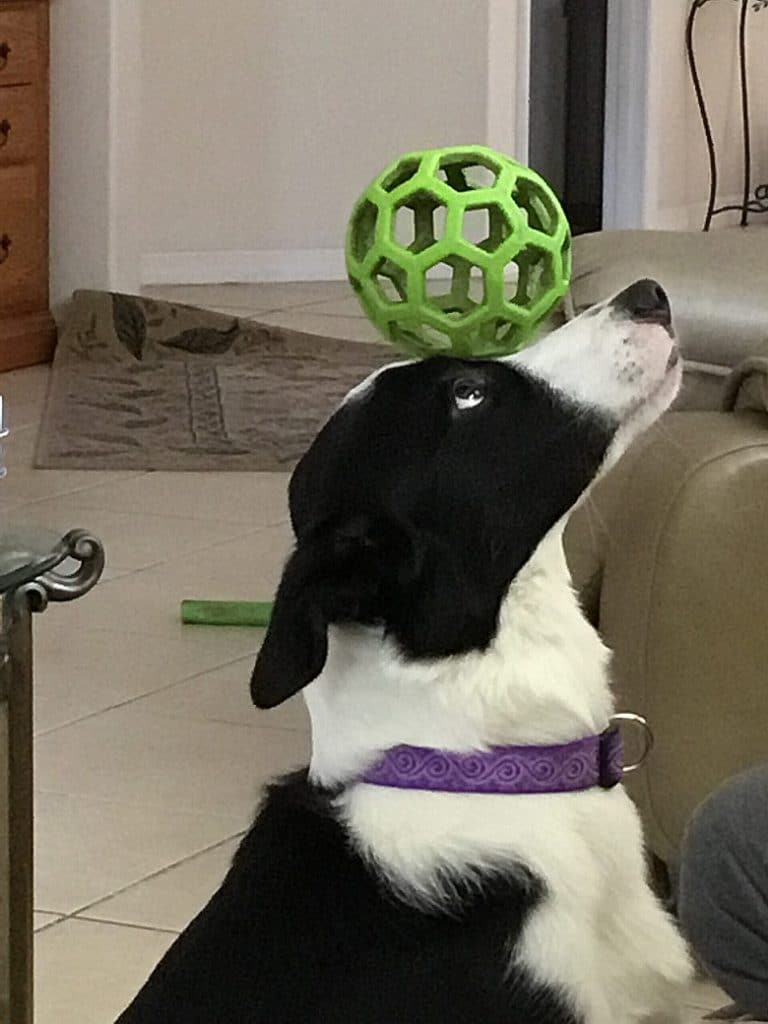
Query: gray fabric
(723, 896)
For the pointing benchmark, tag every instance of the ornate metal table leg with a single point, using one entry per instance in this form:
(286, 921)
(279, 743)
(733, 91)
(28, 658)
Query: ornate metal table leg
(30, 592)
(16, 828)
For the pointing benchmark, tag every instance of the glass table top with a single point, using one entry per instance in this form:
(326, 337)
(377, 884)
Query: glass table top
(26, 552)
(67, 566)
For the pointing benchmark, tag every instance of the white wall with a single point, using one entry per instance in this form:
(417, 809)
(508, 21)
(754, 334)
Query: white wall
(229, 143)
(80, 63)
(96, 71)
(262, 121)
(679, 179)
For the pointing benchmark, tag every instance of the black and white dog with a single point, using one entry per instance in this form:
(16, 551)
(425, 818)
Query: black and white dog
(428, 604)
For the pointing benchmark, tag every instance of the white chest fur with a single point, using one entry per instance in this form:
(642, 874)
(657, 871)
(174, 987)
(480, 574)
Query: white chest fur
(599, 936)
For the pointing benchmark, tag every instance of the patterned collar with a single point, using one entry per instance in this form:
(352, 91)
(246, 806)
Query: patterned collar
(596, 761)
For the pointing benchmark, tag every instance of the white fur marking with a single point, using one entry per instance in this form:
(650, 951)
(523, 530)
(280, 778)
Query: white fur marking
(599, 937)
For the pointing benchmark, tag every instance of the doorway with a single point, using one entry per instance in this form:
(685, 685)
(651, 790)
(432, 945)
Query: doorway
(567, 104)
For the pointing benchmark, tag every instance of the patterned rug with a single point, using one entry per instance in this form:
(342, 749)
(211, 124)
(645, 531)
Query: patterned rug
(142, 384)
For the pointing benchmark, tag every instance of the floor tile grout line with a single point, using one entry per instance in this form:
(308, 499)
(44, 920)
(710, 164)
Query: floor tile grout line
(150, 693)
(170, 562)
(231, 820)
(177, 717)
(127, 573)
(149, 515)
(138, 634)
(311, 306)
(77, 793)
(169, 635)
(316, 307)
(133, 700)
(77, 490)
(170, 717)
(122, 924)
(251, 532)
(48, 924)
(157, 874)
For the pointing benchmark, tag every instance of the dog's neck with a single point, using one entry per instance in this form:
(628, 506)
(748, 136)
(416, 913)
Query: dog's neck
(543, 680)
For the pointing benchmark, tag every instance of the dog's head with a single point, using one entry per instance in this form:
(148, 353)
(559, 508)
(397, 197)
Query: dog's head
(434, 483)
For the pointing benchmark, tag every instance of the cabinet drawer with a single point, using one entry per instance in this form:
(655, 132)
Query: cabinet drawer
(20, 183)
(19, 44)
(20, 133)
(23, 258)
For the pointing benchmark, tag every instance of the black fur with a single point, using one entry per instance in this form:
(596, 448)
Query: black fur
(413, 514)
(302, 932)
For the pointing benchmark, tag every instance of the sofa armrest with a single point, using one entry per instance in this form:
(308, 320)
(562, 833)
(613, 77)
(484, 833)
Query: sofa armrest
(590, 535)
(684, 606)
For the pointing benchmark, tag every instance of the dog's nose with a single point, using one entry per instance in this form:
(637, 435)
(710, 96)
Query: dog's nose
(646, 302)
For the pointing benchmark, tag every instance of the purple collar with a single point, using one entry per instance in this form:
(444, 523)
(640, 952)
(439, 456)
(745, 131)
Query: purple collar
(568, 768)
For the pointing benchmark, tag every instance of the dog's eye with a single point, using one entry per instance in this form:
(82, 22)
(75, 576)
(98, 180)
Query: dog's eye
(467, 394)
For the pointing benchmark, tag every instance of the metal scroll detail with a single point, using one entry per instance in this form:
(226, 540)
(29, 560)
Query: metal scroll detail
(753, 200)
(54, 585)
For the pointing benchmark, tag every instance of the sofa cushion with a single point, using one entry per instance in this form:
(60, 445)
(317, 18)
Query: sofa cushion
(717, 282)
(747, 386)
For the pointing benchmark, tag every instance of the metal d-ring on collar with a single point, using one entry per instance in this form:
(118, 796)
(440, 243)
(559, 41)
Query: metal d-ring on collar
(627, 718)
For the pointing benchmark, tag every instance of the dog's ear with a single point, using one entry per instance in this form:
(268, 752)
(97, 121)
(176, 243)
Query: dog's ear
(340, 572)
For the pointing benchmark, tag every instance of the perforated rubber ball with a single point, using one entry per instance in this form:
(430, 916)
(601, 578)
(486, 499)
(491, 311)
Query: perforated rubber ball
(458, 251)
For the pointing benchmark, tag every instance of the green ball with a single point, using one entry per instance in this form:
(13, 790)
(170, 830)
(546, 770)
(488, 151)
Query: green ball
(458, 251)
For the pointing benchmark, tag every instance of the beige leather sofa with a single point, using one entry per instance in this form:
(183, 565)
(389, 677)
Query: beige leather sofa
(671, 556)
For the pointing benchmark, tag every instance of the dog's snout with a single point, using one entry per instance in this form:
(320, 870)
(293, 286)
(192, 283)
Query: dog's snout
(645, 302)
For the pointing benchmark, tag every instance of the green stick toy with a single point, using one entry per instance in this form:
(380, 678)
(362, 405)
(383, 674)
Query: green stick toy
(226, 613)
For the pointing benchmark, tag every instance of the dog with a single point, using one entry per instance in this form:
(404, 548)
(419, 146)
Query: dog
(427, 607)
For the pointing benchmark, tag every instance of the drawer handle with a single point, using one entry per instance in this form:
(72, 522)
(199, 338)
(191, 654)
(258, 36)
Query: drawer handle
(5, 248)
(5, 52)
(5, 132)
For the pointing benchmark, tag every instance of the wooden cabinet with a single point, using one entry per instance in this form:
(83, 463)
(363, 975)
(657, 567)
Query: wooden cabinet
(27, 333)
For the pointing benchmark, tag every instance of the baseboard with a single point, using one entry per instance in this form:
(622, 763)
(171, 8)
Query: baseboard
(248, 266)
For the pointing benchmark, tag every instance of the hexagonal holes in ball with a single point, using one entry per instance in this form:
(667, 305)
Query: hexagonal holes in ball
(530, 275)
(398, 176)
(537, 206)
(487, 227)
(391, 281)
(426, 341)
(364, 230)
(437, 340)
(419, 222)
(507, 334)
(455, 287)
(469, 173)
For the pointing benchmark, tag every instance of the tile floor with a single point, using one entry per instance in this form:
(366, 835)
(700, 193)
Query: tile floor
(149, 753)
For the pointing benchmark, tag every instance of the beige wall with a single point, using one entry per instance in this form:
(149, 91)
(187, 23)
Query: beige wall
(80, 34)
(680, 179)
(95, 112)
(263, 120)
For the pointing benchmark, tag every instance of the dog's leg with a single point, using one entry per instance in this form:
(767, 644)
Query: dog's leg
(648, 967)
(645, 962)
